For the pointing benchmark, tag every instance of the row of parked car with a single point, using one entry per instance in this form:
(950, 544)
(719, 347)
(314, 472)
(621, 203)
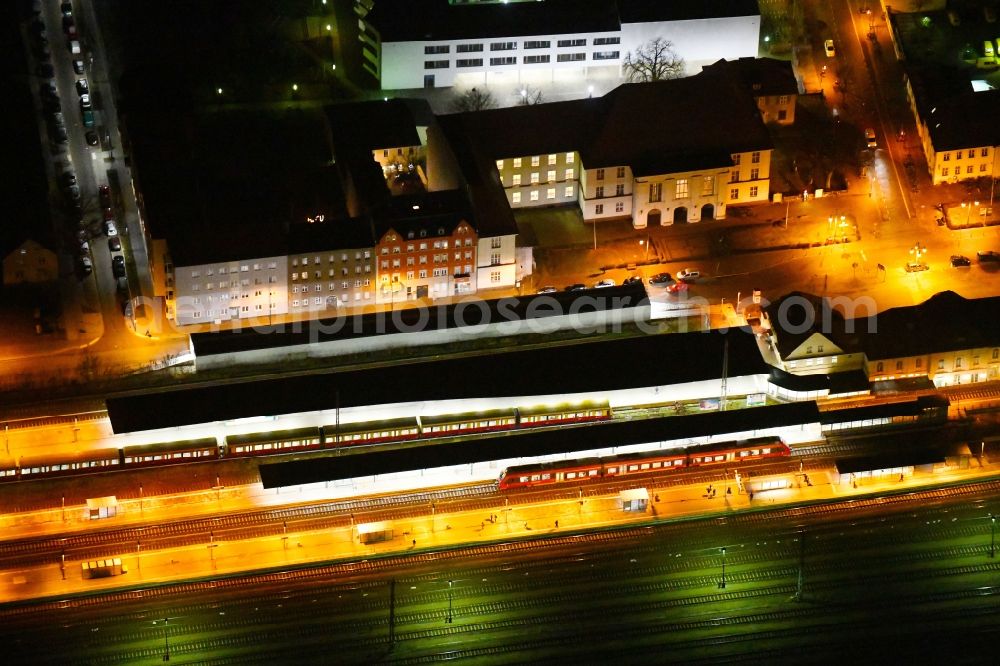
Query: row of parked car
(983, 257)
(685, 277)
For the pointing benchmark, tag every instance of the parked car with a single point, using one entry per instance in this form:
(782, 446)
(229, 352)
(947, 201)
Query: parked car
(914, 267)
(604, 283)
(71, 32)
(68, 178)
(88, 117)
(45, 70)
(59, 133)
(86, 265)
(68, 22)
(109, 214)
(115, 244)
(547, 290)
(104, 194)
(85, 102)
(988, 257)
(109, 228)
(634, 279)
(74, 193)
(661, 278)
(84, 247)
(677, 288)
(74, 47)
(870, 138)
(58, 120)
(66, 8)
(118, 266)
(48, 90)
(576, 287)
(688, 275)
(82, 87)
(92, 139)
(828, 47)
(958, 260)
(78, 66)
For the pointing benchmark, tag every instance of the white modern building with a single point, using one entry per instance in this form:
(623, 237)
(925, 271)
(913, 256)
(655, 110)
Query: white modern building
(435, 44)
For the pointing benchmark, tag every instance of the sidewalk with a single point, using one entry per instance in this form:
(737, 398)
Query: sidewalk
(414, 534)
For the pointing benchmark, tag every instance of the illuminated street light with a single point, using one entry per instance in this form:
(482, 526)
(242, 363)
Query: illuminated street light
(218, 91)
(918, 251)
(993, 524)
(329, 27)
(449, 619)
(295, 87)
(722, 583)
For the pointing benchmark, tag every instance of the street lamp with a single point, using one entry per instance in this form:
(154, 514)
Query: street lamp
(645, 243)
(449, 619)
(722, 583)
(918, 251)
(993, 524)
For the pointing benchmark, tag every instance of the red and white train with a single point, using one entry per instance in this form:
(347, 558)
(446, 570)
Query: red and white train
(612, 467)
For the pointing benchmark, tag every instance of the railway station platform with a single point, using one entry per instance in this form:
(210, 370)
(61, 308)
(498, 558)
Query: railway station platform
(497, 520)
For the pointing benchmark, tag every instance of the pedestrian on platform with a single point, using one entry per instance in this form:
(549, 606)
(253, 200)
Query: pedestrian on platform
(557, 523)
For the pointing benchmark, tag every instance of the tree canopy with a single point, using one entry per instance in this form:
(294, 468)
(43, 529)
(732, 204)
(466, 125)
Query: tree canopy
(655, 60)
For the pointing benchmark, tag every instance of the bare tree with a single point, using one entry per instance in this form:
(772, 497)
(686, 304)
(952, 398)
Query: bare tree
(473, 100)
(527, 95)
(655, 60)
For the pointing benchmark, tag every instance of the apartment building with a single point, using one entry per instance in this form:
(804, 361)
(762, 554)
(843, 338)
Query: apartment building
(657, 153)
(435, 43)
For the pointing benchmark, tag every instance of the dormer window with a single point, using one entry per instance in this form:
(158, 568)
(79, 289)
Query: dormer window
(409, 235)
(440, 231)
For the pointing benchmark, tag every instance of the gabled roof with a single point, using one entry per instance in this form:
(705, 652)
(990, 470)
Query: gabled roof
(376, 125)
(945, 322)
(761, 76)
(704, 119)
(796, 316)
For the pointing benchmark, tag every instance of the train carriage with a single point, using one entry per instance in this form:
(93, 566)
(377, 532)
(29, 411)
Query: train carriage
(9, 470)
(544, 415)
(167, 453)
(756, 448)
(526, 476)
(466, 424)
(643, 463)
(267, 443)
(99, 460)
(370, 432)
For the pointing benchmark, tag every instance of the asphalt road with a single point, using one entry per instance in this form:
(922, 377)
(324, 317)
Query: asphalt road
(906, 578)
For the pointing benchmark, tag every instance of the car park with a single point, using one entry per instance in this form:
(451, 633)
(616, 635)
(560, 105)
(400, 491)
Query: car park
(661, 278)
(118, 266)
(958, 261)
(870, 138)
(92, 139)
(547, 290)
(115, 244)
(828, 47)
(988, 257)
(604, 284)
(688, 275)
(109, 228)
(78, 66)
(82, 87)
(576, 287)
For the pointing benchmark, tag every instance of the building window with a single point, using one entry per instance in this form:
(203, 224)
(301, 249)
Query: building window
(499, 165)
(517, 162)
(469, 62)
(503, 46)
(754, 174)
(899, 365)
(436, 64)
(599, 192)
(944, 171)
(569, 174)
(599, 209)
(552, 159)
(782, 99)
(753, 191)
(619, 207)
(707, 186)
(736, 159)
(469, 48)
(606, 55)
(535, 44)
(968, 169)
(958, 362)
(919, 363)
(620, 172)
(972, 153)
(551, 176)
(600, 174)
(984, 152)
(681, 189)
(982, 167)
(996, 354)
(878, 367)
(569, 191)
(755, 157)
(506, 60)
(603, 41)
(563, 43)
(534, 177)
(515, 197)
(534, 195)
(550, 193)
(495, 276)
(537, 59)
(437, 49)
(947, 157)
(516, 179)
(782, 114)
(495, 259)
(619, 190)
(535, 160)
(734, 194)
(571, 57)
(734, 176)
(569, 158)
